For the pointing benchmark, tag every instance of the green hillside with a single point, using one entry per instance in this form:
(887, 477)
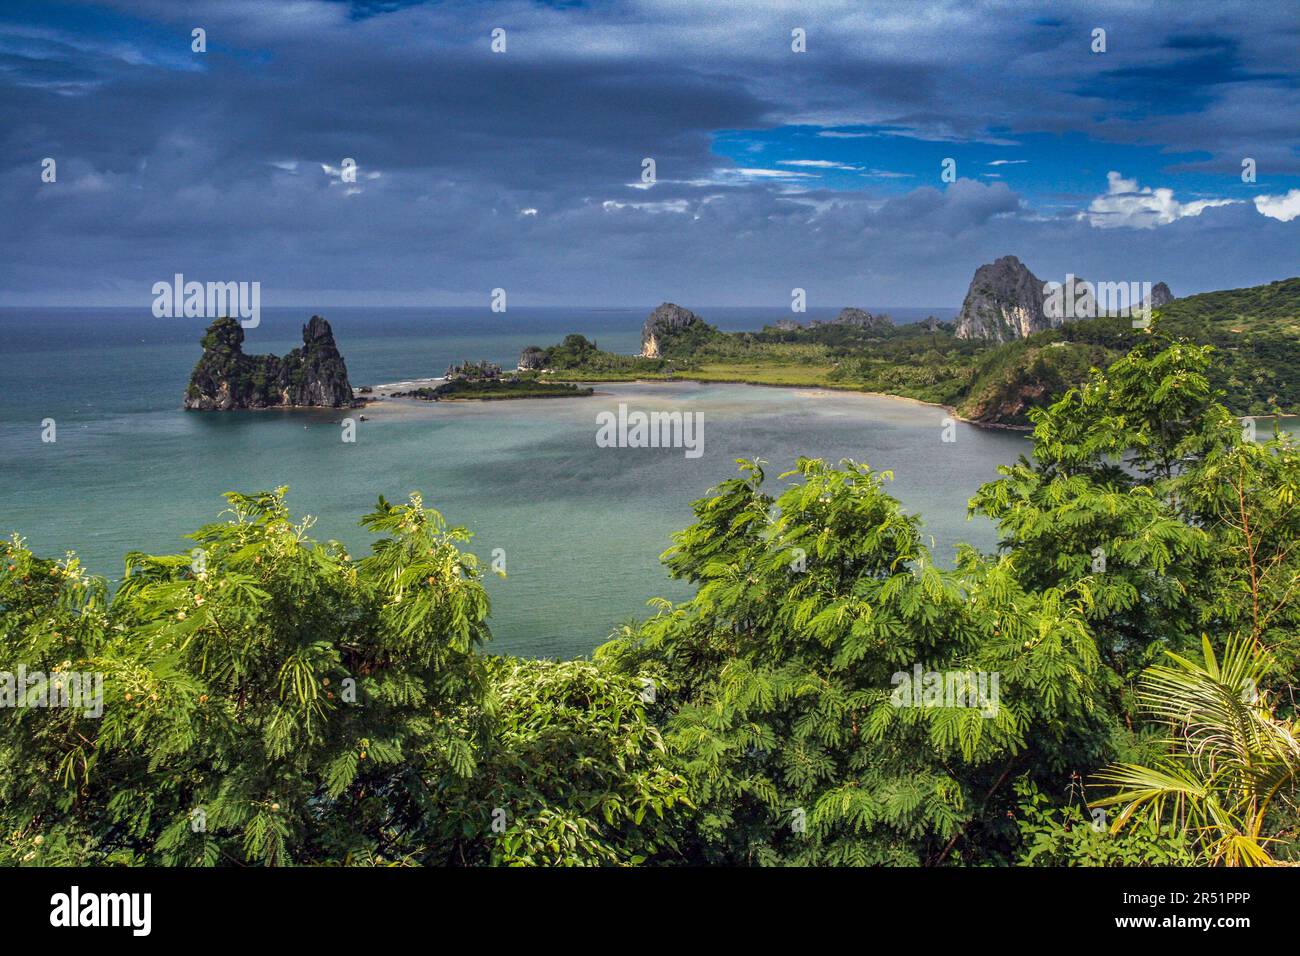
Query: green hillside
(1257, 334)
(1255, 331)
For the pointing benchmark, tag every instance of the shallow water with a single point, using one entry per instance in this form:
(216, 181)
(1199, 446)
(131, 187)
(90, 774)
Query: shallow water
(582, 527)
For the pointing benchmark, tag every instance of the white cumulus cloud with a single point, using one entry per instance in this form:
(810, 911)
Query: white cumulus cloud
(1285, 207)
(1128, 204)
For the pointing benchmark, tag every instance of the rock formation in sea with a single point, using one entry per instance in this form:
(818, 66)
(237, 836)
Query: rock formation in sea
(786, 325)
(225, 378)
(664, 323)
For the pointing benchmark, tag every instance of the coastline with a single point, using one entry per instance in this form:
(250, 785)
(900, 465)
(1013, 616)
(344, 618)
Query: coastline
(387, 392)
(822, 387)
(408, 390)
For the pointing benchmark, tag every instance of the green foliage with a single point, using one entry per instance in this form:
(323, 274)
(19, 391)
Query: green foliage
(494, 390)
(1231, 773)
(577, 775)
(788, 724)
(1146, 496)
(577, 355)
(267, 699)
(1256, 332)
(1070, 835)
(229, 681)
(679, 343)
(1144, 492)
(826, 697)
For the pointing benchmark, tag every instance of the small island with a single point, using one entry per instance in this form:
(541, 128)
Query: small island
(311, 376)
(315, 376)
(484, 381)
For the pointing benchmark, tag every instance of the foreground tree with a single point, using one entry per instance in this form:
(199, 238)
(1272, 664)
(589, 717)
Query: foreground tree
(267, 699)
(782, 675)
(1231, 774)
(1174, 516)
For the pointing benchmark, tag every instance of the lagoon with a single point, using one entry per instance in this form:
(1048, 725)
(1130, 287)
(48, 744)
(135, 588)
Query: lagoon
(581, 527)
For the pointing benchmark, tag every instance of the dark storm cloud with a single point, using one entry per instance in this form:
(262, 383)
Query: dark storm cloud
(479, 170)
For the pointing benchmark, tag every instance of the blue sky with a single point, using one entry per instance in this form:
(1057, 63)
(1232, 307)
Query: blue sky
(521, 169)
(1051, 172)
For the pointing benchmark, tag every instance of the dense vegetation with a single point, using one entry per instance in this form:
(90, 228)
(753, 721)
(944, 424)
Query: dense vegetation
(1256, 332)
(271, 699)
(489, 389)
(579, 352)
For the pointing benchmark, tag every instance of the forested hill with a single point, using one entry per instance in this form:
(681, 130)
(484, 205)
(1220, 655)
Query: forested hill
(1256, 332)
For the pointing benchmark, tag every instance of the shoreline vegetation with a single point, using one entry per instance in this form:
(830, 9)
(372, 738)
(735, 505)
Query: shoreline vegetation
(1255, 333)
(474, 382)
(974, 367)
(484, 391)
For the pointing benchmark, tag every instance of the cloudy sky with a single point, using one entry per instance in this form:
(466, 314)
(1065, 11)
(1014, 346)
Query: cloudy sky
(523, 169)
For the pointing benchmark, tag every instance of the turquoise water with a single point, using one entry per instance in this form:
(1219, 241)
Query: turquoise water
(582, 527)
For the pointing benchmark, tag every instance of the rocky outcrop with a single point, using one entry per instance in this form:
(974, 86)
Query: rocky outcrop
(665, 323)
(532, 358)
(861, 318)
(1160, 296)
(225, 378)
(1006, 301)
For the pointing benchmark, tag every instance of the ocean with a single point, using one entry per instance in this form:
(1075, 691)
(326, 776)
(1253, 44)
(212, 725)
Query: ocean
(581, 527)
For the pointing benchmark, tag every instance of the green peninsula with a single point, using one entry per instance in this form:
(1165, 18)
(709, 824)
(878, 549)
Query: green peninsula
(1255, 333)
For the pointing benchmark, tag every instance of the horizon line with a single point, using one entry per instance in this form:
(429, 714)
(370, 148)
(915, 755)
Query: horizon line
(487, 308)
